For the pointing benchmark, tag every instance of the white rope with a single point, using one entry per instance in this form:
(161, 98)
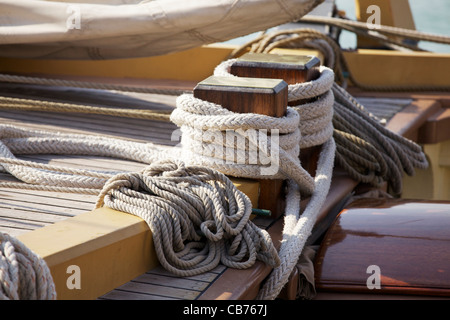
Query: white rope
(177, 206)
(23, 274)
(298, 227)
(316, 129)
(197, 216)
(205, 141)
(18, 141)
(206, 131)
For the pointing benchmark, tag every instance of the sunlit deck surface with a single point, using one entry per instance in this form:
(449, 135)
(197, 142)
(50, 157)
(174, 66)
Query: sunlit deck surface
(25, 210)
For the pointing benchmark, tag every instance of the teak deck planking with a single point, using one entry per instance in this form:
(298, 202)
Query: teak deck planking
(24, 210)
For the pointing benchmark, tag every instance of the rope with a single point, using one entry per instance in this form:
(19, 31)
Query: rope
(202, 196)
(297, 228)
(198, 218)
(208, 130)
(85, 84)
(367, 150)
(334, 59)
(316, 129)
(23, 274)
(389, 154)
(50, 106)
(15, 141)
(392, 31)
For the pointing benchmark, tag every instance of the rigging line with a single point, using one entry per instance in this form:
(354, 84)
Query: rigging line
(50, 106)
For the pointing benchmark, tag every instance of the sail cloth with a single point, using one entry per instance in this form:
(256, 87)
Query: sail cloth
(112, 29)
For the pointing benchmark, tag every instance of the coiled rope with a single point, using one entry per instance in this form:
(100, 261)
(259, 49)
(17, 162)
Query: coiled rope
(195, 118)
(23, 274)
(194, 115)
(198, 218)
(205, 126)
(176, 201)
(368, 151)
(358, 135)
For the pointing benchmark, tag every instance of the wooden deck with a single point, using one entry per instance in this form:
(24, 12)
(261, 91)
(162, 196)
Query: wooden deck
(159, 284)
(24, 210)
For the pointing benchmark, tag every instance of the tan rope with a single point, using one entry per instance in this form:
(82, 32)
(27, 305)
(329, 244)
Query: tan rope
(308, 38)
(85, 84)
(197, 216)
(315, 127)
(51, 106)
(367, 150)
(392, 31)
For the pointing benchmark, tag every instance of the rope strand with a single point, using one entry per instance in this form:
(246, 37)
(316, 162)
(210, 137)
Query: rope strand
(180, 202)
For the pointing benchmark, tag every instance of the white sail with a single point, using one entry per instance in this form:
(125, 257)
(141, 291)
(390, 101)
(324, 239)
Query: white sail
(100, 29)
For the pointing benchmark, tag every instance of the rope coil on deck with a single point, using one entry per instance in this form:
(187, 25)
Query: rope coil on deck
(205, 127)
(23, 274)
(318, 130)
(145, 192)
(198, 218)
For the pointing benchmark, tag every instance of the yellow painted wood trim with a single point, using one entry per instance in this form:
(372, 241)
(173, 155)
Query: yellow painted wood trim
(431, 183)
(393, 68)
(191, 65)
(371, 67)
(109, 247)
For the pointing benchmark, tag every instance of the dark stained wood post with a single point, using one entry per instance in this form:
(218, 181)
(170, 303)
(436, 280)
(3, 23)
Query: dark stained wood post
(292, 69)
(245, 95)
(251, 95)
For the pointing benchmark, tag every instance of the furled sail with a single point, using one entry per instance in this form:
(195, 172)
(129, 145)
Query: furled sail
(102, 29)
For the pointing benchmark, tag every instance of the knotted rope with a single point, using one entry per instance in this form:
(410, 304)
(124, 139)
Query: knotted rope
(221, 139)
(194, 116)
(198, 218)
(166, 200)
(23, 274)
(211, 136)
(366, 150)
